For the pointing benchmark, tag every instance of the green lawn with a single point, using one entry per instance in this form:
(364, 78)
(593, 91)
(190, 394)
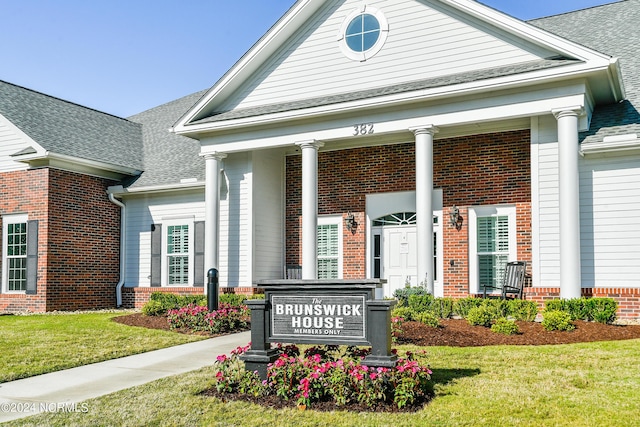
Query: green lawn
(594, 384)
(37, 344)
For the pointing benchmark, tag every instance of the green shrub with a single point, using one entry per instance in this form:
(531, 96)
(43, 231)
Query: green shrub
(233, 299)
(403, 294)
(506, 327)
(428, 318)
(462, 306)
(557, 320)
(421, 303)
(480, 316)
(406, 313)
(497, 307)
(522, 310)
(439, 307)
(603, 310)
(153, 308)
(445, 306)
(161, 302)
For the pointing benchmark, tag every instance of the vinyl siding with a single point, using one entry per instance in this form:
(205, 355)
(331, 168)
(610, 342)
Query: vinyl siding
(141, 212)
(235, 221)
(424, 41)
(268, 208)
(548, 201)
(11, 141)
(609, 225)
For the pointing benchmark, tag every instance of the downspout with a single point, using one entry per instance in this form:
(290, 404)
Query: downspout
(122, 249)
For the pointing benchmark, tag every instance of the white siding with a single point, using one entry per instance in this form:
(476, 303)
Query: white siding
(235, 222)
(425, 40)
(141, 212)
(268, 214)
(12, 140)
(609, 224)
(547, 270)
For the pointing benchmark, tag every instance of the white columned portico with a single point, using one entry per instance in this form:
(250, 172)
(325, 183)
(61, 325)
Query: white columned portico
(212, 210)
(309, 207)
(424, 203)
(569, 187)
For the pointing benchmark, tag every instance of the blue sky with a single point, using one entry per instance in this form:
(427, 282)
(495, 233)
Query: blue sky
(125, 56)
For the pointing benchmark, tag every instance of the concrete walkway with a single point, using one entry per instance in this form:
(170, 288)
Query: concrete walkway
(60, 390)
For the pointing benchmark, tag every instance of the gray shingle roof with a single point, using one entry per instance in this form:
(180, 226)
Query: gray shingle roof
(612, 29)
(66, 128)
(448, 80)
(168, 157)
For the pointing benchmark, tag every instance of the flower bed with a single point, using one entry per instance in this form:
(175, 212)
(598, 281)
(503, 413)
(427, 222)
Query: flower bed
(228, 318)
(327, 377)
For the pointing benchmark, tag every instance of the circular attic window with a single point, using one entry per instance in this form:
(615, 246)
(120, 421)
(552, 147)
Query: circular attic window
(363, 33)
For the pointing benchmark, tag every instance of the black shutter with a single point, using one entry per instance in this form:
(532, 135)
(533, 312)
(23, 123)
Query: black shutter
(156, 255)
(32, 257)
(198, 250)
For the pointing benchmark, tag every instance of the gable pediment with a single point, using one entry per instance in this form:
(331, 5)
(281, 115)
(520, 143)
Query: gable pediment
(429, 44)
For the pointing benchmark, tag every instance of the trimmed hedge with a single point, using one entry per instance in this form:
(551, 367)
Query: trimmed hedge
(161, 302)
(601, 310)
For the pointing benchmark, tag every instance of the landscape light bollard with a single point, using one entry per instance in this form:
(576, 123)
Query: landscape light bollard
(212, 289)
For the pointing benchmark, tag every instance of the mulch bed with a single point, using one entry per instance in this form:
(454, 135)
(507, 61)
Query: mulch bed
(458, 333)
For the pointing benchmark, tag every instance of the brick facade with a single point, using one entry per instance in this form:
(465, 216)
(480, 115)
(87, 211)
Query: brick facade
(475, 170)
(78, 239)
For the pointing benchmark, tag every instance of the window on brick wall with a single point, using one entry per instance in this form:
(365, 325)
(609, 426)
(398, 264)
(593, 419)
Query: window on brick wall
(19, 254)
(329, 248)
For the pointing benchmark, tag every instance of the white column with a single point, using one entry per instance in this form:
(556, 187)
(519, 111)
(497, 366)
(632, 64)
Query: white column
(424, 203)
(310, 208)
(569, 182)
(212, 210)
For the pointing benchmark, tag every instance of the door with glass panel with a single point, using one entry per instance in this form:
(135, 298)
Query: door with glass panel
(394, 252)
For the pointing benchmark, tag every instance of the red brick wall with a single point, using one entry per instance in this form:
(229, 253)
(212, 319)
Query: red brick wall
(628, 299)
(474, 170)
(84, 243)
(78, 239)
(25, 192)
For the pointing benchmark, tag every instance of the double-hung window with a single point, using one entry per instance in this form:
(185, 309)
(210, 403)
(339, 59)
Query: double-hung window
(329, 248)
(177, 258)
(15, 253)
(492, 232)
(177, 253)
(493, 248)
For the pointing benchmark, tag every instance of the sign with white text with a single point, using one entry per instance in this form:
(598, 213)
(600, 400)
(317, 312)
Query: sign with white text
(315, 316)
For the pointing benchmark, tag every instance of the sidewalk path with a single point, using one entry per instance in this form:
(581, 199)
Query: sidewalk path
(29, 396)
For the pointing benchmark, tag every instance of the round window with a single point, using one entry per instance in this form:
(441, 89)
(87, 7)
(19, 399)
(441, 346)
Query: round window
(363, 33)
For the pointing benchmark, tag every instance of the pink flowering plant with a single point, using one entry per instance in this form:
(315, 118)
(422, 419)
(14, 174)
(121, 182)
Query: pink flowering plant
(396, 327)
(227, 318)
(329, 374)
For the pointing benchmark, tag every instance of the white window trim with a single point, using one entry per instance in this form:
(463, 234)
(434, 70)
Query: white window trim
(165, 239)
(482, 211)
(6, 220)
(331, 220)
(384, 32)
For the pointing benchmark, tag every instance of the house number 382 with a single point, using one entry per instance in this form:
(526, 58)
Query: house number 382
(363, 129)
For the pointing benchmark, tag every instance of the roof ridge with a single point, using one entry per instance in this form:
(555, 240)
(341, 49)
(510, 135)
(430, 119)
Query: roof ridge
(64, 100)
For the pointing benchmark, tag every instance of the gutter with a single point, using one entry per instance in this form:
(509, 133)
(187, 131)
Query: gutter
(122, 248)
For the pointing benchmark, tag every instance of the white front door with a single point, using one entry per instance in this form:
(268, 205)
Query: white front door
(394, 255)
(400, 265)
